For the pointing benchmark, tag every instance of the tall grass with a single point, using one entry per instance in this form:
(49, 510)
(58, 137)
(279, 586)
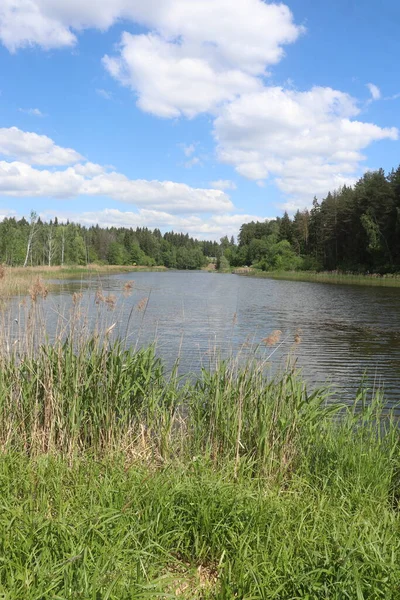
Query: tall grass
(19, 280)
(119, 480)
(335, 277)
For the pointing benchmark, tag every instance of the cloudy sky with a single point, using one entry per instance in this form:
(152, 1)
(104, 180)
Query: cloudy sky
(192, 115)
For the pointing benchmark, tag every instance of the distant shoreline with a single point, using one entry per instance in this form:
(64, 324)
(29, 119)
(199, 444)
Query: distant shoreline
(333, 277)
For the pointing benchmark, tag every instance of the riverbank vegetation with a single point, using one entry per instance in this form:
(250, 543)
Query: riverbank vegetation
(15, 281)
(119, 480)
(335, 277)
(353, 230)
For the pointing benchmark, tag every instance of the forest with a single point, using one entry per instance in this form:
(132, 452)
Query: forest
(353, 229)
(35, 243)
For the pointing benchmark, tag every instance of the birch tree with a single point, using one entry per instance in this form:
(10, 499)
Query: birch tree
(31, 236)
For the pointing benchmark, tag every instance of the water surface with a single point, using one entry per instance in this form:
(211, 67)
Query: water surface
(346, 331)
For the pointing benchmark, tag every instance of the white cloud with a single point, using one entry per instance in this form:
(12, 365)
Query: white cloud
(165, 204)
(19, 179)
(249, 32)
(306, 141)
(34, 149)
(202, 53)
(197, 54)
(89, 169)
(35, 112)
(25, 22)
(223, 184)
(212, 56)
(170, 82)
(374, 91)
(210, 227)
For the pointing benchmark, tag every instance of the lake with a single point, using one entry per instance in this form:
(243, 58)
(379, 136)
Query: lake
(346, 331)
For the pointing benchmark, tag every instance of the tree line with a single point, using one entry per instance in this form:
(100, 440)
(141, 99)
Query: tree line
(353, 229)
(34, 242)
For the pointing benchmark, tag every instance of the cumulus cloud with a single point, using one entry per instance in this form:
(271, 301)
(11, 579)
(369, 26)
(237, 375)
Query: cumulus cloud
(374, 91)
(250, 32)
(34, 149)
(26, 22)
(169, 82)
(197, 54)
(213, 56)
(308, 142)
(19, 179)
(201, 54)
(203, 212)
(223, 184)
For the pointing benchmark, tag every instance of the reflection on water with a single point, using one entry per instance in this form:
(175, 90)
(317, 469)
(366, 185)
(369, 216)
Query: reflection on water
(346, 331)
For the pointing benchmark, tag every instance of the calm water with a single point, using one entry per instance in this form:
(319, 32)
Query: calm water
(346, 331)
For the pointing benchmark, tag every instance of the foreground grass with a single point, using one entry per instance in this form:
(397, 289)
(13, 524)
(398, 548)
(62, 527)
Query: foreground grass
(374, 279)
(121, 529)
(119, 481)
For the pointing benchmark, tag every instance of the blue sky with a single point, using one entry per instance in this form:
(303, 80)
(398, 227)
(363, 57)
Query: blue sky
(192, 115)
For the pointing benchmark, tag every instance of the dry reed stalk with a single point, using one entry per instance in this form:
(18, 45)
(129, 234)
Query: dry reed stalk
(38, 290)
(273, 338)
(128, 287)
(142, 304)
(110, 301)
(99, 297)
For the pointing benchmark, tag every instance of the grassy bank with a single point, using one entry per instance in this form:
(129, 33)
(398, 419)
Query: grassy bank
(120, 481)
(325, 277)
(18, 280)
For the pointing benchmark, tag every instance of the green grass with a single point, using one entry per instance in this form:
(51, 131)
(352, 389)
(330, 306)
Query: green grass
(337, 277)
(119, 481)
(111, 529)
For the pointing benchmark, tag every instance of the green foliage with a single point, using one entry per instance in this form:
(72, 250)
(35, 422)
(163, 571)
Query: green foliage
(54, 243)
(353, 229)
(119, 482)
(372, 231)
(269, 254)
(223, 264)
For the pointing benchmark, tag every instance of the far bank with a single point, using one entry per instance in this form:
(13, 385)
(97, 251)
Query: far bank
(335, 277)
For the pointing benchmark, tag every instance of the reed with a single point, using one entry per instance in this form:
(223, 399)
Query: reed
(119, 480)
(16, 281)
